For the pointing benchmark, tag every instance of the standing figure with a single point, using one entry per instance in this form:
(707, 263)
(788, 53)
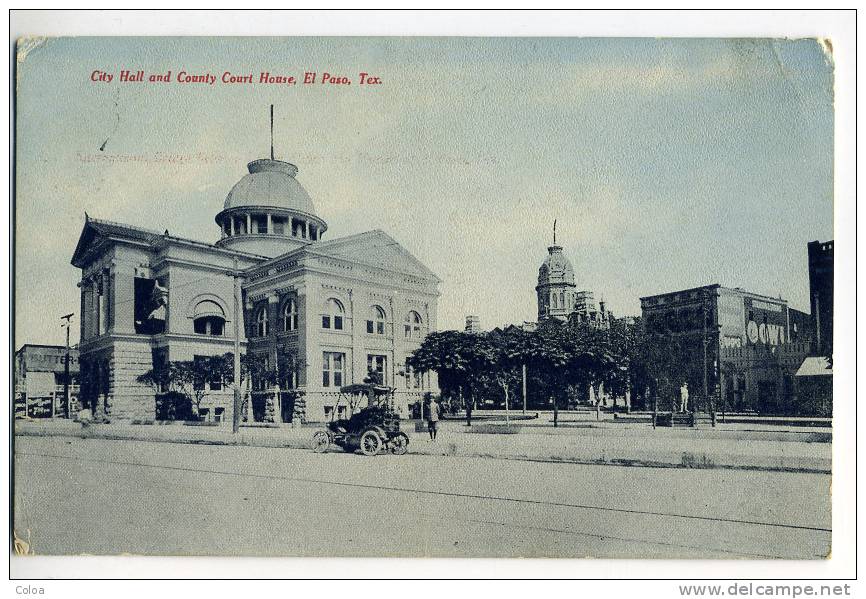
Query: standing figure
(433, 413)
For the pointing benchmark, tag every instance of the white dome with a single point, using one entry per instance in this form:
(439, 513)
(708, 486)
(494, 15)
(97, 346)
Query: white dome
(270, 183)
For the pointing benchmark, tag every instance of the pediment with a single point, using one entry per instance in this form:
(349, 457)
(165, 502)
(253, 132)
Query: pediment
(374, 248)
(96, 233)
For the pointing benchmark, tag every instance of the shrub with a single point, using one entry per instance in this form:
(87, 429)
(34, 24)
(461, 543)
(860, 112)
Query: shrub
(173, 406)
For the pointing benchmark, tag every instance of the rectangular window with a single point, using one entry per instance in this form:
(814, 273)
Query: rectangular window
(338, 369)
(199, 326)
(216, 327)
(338, 323)
(260, 224)
(332, 369)
(218, 414)
(377, 368)
(408, 371)
(380, 328)
(370, 327)
(326, 321)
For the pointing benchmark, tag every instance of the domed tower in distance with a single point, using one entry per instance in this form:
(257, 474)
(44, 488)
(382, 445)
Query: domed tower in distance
(268, 212)
(556, 286)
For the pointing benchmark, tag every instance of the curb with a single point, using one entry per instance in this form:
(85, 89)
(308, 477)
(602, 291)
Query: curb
(687, 460)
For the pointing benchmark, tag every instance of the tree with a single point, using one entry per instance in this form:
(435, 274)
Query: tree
(201, 373)
(188, 378)
(257, 371)
(511, 350)
(572, 355)
(459, 359)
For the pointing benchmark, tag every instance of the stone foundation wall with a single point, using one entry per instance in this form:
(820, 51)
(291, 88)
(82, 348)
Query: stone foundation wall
(129, 399)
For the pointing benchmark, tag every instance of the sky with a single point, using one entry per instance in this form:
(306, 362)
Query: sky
(668, 163)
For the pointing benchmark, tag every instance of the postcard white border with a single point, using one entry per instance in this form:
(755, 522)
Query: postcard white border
(839, 26)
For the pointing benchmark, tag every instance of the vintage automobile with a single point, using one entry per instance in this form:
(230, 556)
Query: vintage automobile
(372, 429)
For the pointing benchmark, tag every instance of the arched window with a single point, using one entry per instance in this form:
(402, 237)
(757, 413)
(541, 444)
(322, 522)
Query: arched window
(376, 322)
(333, 316)
(555, 303)
(290, 315)
(412, 327)
(209, 319)
(262, 322)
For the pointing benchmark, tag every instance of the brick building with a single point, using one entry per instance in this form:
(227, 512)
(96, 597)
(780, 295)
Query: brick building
(39, 379)
(743, 347)
(821, 292)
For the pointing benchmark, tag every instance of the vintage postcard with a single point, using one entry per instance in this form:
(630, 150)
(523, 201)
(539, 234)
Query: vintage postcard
(423, 297)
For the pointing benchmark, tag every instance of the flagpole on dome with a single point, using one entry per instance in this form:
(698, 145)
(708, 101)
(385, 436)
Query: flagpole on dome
(272, 131)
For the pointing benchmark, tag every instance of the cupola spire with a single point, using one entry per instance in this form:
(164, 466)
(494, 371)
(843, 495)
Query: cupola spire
(272, 131)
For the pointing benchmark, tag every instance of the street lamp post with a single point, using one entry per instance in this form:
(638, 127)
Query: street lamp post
(711, 337)
(68, 324)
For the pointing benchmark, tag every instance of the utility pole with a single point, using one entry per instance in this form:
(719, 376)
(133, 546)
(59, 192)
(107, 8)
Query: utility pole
(707, 397)
(705, 353)
(818, 324)
(524, 389)
(236, 415)
(68, 325)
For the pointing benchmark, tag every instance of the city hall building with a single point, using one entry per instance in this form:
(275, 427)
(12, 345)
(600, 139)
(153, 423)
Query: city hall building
(321, 313)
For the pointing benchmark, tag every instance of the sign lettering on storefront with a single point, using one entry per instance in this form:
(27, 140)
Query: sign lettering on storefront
(772, 334)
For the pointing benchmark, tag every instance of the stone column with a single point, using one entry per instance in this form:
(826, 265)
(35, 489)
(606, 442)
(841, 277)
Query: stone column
(84, 316)
(306, 230)
(82, 312)
(103, 301)
(123, 299)
(270, 230)
(94, 306)
(232, 224)
(249, 224)
(394, 353)
(356, 369)
(110, 301)
(301, 353)
(310, 300)
(272, 399)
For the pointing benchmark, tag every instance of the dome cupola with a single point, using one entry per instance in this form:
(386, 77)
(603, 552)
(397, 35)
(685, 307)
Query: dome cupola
(555, 289)
(556, 268)
(268, 212)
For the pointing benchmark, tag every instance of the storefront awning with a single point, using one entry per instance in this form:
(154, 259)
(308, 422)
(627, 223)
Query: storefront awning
(815, 366)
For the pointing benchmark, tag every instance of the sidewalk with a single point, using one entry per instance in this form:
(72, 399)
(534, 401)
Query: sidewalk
(644, 447)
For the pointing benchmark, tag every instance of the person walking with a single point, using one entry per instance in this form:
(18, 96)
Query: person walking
(433, 413)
